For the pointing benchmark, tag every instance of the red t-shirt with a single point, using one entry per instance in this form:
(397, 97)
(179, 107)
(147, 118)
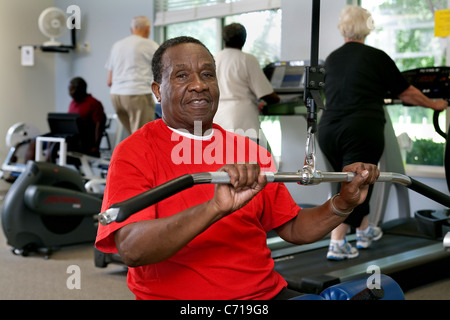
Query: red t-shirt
(91, 112)
(229, 260)
(90, 109)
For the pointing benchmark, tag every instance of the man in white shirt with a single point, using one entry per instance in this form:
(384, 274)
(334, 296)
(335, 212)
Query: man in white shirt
(242, 82)
(130, 76)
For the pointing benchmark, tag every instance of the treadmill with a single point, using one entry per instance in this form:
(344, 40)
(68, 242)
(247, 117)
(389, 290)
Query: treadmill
(411, 250)
(287, 79)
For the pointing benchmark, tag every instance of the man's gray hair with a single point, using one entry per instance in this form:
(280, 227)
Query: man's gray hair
(140, 22)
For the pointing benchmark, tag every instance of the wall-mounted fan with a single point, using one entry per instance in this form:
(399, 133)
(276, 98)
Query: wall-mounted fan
(52, 23)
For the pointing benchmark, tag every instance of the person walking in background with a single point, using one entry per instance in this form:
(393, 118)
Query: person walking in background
(130, 76)
(242, 83)
(357, 79)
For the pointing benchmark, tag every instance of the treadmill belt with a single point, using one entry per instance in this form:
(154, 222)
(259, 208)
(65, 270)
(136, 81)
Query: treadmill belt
(311, 271)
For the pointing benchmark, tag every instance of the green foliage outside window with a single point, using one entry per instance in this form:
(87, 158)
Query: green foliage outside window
(426, 152)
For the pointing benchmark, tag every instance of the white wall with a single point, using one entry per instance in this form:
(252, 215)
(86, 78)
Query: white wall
(27, 93)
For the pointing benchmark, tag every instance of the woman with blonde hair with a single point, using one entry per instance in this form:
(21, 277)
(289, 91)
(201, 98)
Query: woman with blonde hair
(357, 79)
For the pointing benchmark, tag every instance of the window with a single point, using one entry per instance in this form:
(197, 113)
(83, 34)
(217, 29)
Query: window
(263, 33)
(203, 19)
(405, 31)
(204, 30)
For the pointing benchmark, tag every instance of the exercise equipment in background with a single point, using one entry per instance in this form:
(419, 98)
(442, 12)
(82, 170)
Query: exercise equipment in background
(48, 207)
(18, 137)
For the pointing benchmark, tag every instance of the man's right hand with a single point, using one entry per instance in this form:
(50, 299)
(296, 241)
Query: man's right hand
(246, 180)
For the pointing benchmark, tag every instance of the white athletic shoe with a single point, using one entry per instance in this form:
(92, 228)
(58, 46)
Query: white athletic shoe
(364, 240)
(337, 252)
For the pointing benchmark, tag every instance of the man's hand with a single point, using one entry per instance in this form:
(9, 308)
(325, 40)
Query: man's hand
(246, 181)
(355, 192)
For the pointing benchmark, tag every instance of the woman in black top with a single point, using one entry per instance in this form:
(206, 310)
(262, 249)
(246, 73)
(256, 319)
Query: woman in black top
(358, 78)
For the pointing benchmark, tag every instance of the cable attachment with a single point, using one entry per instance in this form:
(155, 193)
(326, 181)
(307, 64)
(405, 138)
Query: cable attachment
(310, 150)
(308, 171)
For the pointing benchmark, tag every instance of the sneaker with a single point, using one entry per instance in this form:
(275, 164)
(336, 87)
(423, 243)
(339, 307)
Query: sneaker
(345, 251)
(364, 240)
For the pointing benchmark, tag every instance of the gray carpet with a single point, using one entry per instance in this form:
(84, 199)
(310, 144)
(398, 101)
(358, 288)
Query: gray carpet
(33, 277)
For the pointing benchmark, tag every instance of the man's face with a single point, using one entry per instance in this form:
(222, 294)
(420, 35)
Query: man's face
(188, 90)
(76, 93)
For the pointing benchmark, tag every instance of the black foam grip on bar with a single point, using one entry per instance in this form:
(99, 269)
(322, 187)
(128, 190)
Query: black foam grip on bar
(431, 193)
(152, 196)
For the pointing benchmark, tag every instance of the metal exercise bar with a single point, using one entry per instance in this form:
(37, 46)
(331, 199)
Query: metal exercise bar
(119, 212)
